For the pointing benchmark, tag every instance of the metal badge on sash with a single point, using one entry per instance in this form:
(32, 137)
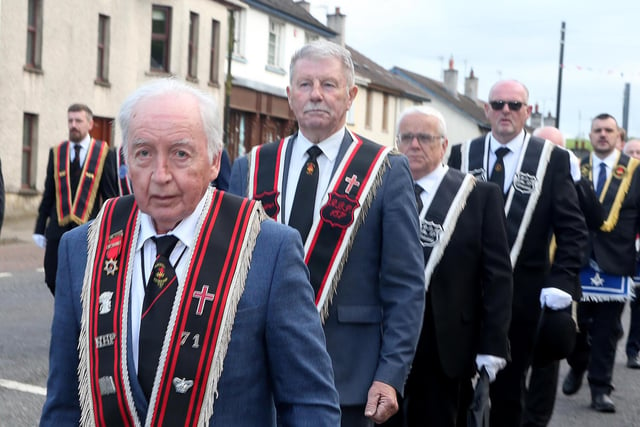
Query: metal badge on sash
(430, 233)
(524, 182)
(619, 171)
(114, 245)
(480, 174)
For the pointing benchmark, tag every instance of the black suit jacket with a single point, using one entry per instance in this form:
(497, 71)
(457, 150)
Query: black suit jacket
(471, 287)
(557, 212)
(47, 220)
(615, 251)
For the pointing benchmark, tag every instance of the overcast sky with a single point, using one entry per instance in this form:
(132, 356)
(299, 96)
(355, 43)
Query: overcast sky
(506, 39)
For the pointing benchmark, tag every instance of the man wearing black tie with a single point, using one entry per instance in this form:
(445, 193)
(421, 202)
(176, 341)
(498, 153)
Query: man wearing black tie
(81, 174)
(540, 201)
(610, 264)
(468, 309)
(351, 201)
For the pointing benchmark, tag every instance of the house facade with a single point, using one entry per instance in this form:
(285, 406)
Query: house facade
(55, 53)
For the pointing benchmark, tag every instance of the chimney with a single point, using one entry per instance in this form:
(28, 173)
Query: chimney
(471, 86)
(549, 120)
(337, 22)
(536, 117)
(305, 5)
(451, 79)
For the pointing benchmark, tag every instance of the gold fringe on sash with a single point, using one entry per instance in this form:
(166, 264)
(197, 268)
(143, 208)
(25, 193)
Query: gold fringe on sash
(614, 213)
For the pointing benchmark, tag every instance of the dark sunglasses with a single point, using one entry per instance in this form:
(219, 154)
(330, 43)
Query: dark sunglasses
(499, 105)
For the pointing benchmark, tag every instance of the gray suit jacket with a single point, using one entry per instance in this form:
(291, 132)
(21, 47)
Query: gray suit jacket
(276, 368)
(375, 317)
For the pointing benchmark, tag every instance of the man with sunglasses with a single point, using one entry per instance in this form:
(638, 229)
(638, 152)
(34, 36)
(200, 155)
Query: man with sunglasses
(468, 309)
(540, 200)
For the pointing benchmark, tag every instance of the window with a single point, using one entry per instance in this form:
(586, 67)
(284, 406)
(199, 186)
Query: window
(160, 38)
(194, 23)
(214, 56)
(275, 41)
(104, 34)
(238, 32)
(29, 145)
(369, 106)
(385, 112)
(34, 35)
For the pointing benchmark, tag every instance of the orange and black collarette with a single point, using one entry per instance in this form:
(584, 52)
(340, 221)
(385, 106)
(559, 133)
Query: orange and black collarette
(79, 209)
(198, 341)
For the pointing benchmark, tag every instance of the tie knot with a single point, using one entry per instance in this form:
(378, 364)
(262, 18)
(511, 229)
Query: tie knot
(165, 244)
(501, 152)
(314, 152)
(603, 167)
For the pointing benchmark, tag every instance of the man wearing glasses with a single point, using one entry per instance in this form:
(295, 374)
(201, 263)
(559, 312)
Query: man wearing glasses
(539, 200)
(468, 309)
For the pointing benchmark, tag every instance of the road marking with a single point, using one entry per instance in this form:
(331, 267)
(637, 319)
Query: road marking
(5, 274)
(27, 388)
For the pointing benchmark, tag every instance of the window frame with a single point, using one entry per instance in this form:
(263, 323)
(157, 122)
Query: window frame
(192, 57)
(104, 43)
(29, 148)
(214, 53)
(164, 38)
(33, 57)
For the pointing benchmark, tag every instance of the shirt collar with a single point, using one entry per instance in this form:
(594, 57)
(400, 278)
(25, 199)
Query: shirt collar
(430, 182)
(610, 160)
(185, 230)
(515, 145)
(330, 146)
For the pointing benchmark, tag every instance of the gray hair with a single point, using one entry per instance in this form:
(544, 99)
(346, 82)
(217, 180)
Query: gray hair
(322, 49)
(209, 114)
(526, 90)
(426, 111)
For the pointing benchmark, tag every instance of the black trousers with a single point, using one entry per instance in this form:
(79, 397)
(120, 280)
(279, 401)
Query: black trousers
(633, 339)
(595, 350)
(353, 416)
(540, 396)
(51, 264)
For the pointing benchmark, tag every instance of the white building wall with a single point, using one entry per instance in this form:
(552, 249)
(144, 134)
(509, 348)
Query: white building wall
(69, 55)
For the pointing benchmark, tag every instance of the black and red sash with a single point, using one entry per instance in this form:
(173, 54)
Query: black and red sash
(201, 320)
(351, 190)
(79, 209)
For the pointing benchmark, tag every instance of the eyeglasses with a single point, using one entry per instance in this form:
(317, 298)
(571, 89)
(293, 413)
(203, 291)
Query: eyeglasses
(513, 105)
(423, 138)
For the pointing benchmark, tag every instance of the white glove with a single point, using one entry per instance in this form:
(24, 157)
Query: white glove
(554, 298)
(492, 364)
(40, 240)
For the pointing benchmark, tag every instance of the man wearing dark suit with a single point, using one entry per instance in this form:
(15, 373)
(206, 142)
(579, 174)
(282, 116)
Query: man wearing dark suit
(540, 201)
(80, 177)
(468, 309)
(609, 265)
(360, 231)
(235, 339)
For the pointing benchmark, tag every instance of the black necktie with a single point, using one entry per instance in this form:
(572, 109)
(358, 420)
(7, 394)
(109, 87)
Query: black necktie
(159, 294)
(418, 191)
(301, 216)
(497, 175)
(75, 164)
(602, 178)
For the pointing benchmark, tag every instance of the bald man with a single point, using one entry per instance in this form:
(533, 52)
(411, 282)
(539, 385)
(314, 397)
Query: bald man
(632, 149)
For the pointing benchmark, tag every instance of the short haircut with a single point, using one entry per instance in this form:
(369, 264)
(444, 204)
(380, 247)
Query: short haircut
(75, 108)
(526, 90)
(209, 114)
(426, 111)
(604, 116)
(322, 49)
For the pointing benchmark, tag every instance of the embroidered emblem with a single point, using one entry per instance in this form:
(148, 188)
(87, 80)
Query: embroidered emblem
(479, 173)
(105, 302)
(182, 385)
(310, 168)
(352, 182)
(338, 211)
(114, 244)
(269, 200)
(597, 280)
(585, 169)
(619, 171)
(430, 233)
(525, 183)
(203, 296)
(105, 340)
(159, 277)
(107, 386)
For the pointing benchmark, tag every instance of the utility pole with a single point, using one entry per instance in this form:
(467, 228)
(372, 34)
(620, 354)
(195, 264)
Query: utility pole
(228, 81)
(560, 67)
(625, 108)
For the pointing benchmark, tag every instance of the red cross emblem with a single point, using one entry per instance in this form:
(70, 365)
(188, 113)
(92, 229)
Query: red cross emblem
(353, 182)
(203, 296)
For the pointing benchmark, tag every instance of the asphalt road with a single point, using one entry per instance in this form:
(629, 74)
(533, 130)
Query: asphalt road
(26, 309)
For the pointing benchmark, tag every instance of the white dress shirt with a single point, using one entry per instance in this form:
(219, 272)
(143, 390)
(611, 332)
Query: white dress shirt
(84, 149)
(510, 159)
(146, 248)
(430, 184)
(610, 161)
